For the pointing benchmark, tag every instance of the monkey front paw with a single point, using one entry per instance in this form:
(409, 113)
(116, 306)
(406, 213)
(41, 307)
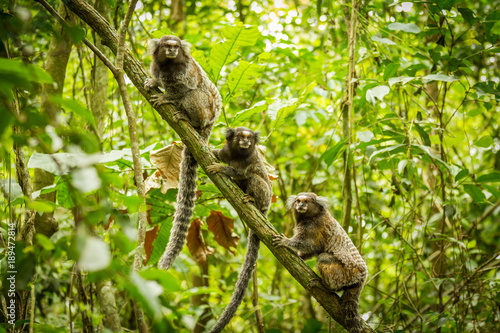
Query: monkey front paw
(160, 99)
(279, 240)
(215, 168)
(150, 84)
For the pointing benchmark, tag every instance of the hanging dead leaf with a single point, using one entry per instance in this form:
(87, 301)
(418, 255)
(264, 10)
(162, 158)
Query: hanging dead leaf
(222, 227)
(274, 199)
(153, 181)
(148, 242)
(196, 244)
(167, 160)
(269, 168)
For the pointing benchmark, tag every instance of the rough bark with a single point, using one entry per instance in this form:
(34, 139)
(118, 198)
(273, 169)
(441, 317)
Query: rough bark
(100, 78)
(57, 60)
(106, 296)
(247, 212)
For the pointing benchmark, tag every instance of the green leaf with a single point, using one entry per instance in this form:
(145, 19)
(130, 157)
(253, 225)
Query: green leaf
(63, 194)
(389, 151)
(24, 71)
(246, 114)
(383, 40)
(489, 25)
(226, 52)
(244, 76)
(147, 293)
(475, 193)
(493, 177)
(44, 242)
(312, 325)
(461, 174)
(280, 109)
(161, 241)
(169, 282)
(332, 153)
(77, 108)
(484, 141)
(390, 71)
(41, 206)
(423, 134)
(406, 27)
(440, 77)
(377, 92)
(400, 79)
(468, 15)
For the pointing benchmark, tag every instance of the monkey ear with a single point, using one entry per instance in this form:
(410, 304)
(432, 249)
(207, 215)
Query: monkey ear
(257, 137)
(186, 47)
(153, 46)
(290, 201)
(229, 133)
(323, 202)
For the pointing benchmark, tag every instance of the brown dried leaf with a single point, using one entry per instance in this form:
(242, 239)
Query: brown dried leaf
(274, 199)
(148, 242)
(222, 227)
(167, 160)
(153, 181)
(196, 244)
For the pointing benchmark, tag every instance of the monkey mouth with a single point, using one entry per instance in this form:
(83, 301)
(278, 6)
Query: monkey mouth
(244, 145)
(301, 209)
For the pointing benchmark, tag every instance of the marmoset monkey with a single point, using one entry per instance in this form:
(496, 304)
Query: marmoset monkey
(339, 263)
(197, 101)
(247, 169)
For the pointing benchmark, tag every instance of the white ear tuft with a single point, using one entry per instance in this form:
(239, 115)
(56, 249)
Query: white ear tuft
(186, 47)
(153, 46)
(323, 202)
(290, 201)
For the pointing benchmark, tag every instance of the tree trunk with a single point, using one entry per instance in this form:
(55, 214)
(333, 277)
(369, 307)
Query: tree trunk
(57, 60)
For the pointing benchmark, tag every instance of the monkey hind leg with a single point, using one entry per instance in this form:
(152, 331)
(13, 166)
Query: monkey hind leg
(260, 191)
(332, 271)
(242, 283)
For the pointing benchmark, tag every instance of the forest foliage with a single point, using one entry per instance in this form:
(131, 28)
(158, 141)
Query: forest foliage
(423, 150)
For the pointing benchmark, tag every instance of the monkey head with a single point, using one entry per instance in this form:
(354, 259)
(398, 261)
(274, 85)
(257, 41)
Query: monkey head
(242, 140)
(168, 48)
(307, 204)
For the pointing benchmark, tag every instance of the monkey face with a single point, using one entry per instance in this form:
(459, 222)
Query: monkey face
(171, 48)
(245, 139)
(302, 204)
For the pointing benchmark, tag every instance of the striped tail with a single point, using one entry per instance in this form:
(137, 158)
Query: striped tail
(184, 210)
(242, 283)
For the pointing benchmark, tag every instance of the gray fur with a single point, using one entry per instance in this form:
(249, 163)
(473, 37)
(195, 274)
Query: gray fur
(198, 102)
(290, 201)
(247, 169)
(338, 261)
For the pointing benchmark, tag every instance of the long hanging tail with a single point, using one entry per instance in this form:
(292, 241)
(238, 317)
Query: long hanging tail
(242, 283)
(184, 210)
(350, 303)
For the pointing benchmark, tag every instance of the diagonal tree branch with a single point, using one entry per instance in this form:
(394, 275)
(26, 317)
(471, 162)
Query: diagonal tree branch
(247, 212)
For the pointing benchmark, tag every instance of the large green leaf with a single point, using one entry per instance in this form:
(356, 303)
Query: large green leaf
(243, 115)
(23, 71)
(334, 152)
(406, 27)
(493, 177)
(161, 241)
(226, 52)
(280, 109)
(475, 193)
(243, 77)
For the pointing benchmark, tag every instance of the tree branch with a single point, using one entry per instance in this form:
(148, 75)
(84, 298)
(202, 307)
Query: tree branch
(247, 212)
